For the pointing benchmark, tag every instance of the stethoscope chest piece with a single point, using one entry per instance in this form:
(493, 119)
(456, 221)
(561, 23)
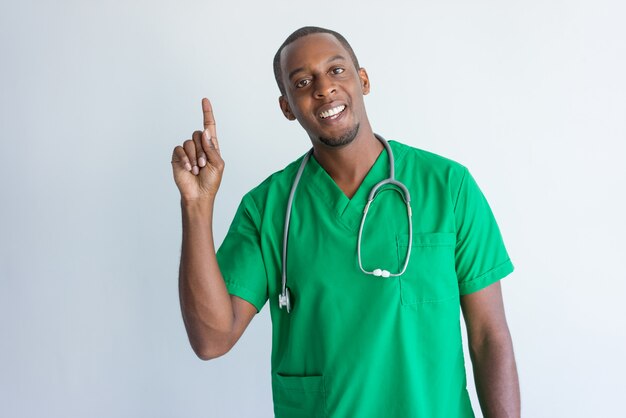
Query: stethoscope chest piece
(284, 300)
(284, 297)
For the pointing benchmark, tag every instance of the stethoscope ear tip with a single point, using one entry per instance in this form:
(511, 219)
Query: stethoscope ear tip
(381, 273)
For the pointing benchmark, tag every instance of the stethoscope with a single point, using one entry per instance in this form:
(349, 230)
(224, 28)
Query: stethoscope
(284, 298)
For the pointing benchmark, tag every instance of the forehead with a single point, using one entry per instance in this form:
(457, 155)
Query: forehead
(310, 51)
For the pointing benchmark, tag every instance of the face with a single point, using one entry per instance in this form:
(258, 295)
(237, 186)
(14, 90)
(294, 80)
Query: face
(323, 89)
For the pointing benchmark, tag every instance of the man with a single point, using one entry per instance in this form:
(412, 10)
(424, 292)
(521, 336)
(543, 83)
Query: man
(349, 343)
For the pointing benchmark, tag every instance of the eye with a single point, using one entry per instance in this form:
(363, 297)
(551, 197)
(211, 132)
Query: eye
(303, 83)
(337, 70)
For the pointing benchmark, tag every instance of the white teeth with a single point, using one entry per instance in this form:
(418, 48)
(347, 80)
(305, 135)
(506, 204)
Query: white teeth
(332, 112)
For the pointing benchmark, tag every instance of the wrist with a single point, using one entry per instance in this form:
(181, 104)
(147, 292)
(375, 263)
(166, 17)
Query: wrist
(198, 205)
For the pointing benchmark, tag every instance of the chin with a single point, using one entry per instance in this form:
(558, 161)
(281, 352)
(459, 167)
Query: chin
(342, 140)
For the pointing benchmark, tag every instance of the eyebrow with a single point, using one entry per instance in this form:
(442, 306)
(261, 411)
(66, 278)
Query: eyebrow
(331, 59)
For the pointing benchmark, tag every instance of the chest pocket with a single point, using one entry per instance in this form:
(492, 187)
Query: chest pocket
(299, 396)
(430, 276)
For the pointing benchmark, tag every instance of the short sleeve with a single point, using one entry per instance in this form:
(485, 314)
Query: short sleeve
(481, 257)
(240, 256)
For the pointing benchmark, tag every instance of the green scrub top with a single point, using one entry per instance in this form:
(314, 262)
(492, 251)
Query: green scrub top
(355, 345)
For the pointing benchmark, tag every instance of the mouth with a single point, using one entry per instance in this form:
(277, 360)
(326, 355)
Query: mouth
(333, 113)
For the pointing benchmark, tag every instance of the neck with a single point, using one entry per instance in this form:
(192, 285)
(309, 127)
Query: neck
(348, 165)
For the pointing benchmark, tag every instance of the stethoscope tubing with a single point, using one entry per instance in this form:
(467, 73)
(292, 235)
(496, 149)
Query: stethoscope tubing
(284, 298)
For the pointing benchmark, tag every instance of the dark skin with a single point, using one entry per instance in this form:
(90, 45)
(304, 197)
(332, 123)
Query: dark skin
(320, 79)
(491, 351)
(318, 75)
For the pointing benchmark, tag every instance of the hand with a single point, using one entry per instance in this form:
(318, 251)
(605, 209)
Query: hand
(197, 164)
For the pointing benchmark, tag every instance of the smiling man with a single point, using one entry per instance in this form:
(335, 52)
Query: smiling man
(365, 288)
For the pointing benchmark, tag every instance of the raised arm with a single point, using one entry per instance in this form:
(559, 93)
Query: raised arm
(214, 320)
(491, 351)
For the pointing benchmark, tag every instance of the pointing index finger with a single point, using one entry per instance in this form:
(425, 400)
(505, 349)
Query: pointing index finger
(209, 119)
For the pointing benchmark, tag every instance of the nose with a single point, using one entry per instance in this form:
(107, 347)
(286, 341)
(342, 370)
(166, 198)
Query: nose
(324, 87)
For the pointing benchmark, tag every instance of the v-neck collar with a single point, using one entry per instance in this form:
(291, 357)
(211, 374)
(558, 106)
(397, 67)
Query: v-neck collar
(348, 211)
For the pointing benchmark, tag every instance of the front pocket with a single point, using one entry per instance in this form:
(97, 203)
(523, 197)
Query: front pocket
(299, 396)
(431, 274)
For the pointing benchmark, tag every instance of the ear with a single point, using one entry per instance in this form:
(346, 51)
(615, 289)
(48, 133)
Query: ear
(284, 106)
(365, 81)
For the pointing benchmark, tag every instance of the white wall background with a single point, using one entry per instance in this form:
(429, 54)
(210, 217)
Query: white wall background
(531, 96)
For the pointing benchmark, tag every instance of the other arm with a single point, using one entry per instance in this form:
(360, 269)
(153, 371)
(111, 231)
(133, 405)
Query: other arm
(214, 320)
(491, 351)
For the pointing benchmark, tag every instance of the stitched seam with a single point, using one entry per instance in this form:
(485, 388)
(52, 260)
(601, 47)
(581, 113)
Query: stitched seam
(458, 193)
(249, 293)
(419, 302)
(402, 245)
(482, 276)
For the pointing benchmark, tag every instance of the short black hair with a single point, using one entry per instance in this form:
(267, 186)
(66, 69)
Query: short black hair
(304, 31)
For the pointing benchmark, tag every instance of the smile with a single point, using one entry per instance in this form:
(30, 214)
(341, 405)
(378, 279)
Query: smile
(332, 113)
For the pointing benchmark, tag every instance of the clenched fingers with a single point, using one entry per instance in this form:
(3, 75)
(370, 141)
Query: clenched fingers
(213, 141)
(212, 152)
(190, 150)
(197, 140)
(180, 159)
(209, 143)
